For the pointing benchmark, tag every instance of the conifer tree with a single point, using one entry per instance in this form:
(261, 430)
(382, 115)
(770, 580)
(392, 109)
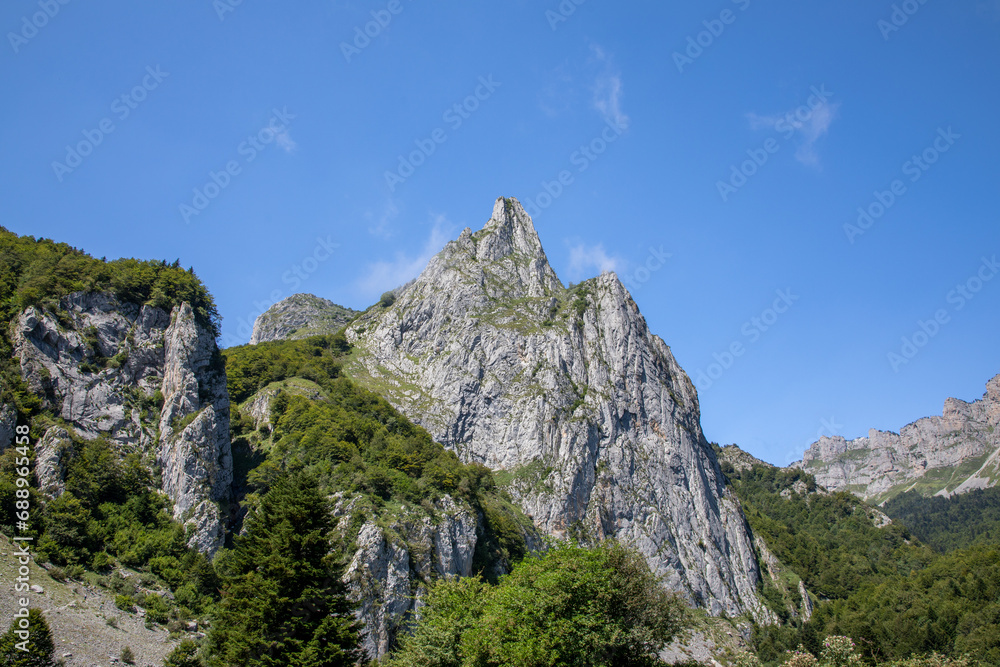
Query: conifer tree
(40, 649)
(283, 600)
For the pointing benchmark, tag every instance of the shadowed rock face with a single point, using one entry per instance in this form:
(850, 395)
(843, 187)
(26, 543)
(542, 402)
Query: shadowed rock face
(593, 425)
(300, 316)
(99, 362)
(953, 453)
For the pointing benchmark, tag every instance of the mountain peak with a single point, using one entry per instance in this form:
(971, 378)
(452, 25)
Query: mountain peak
(508, 231)
(591, 422)
(504, 259)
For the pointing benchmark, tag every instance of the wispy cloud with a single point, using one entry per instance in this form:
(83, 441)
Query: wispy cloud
(378, 223)
(284, 141)
(608, 89)
(808, 126)
(585, 260)
(387, 274)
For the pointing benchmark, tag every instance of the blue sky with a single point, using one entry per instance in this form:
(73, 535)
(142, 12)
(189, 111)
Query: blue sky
(725, 145)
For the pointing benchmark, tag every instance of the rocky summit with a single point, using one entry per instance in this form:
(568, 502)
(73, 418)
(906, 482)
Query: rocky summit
(593, 426)
(300, 316)
(946, 455)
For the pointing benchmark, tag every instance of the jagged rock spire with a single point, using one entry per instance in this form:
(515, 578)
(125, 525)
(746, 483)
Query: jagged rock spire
(587, 413)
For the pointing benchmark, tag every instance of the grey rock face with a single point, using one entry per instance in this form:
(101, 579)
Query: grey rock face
(8, 424)
(51, 455)
(387, 573)
(961, 448)
(98, 364)
(299, 316)
(593, 424)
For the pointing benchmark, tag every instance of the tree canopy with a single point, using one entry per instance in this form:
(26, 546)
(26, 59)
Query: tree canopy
(571, 605)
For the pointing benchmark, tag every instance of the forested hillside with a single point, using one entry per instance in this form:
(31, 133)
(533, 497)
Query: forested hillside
(875, 582)
(951, 523)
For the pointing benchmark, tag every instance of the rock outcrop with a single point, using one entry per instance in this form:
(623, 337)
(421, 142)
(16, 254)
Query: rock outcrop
(397, 549)
(104, 366)
(8, 424)
(300, 316)
(593, 425)
(51, 455)
(389, 570)
(953, 453)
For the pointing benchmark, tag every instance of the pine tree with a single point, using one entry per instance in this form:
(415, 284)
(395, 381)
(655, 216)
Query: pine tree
(283, 601)
(40, 649)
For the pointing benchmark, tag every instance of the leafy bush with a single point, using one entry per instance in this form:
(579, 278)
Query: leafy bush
(570, 606)
(125, 603)
(185, 655)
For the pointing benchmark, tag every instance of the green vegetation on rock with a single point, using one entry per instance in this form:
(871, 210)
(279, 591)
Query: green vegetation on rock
(39, 272)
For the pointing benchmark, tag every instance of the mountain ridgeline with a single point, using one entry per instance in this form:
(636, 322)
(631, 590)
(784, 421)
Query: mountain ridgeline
(309, 497)
(951, 454)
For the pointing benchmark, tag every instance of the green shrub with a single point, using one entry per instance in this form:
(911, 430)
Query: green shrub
(572, 605)
(125, 603)
(102, 562)
(184, 655)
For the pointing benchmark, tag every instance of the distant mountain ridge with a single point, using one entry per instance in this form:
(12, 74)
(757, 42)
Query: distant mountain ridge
(300, 316)
(950, 454)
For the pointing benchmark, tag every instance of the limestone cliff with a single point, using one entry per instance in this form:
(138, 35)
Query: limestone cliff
(299, 316)
(593, 424)
(953, 453)
(103, 367)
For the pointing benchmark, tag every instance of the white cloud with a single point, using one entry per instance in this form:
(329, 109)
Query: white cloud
(386, 275)
(284, 141)
(583, 260)
(608, 89)
(807, 123)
